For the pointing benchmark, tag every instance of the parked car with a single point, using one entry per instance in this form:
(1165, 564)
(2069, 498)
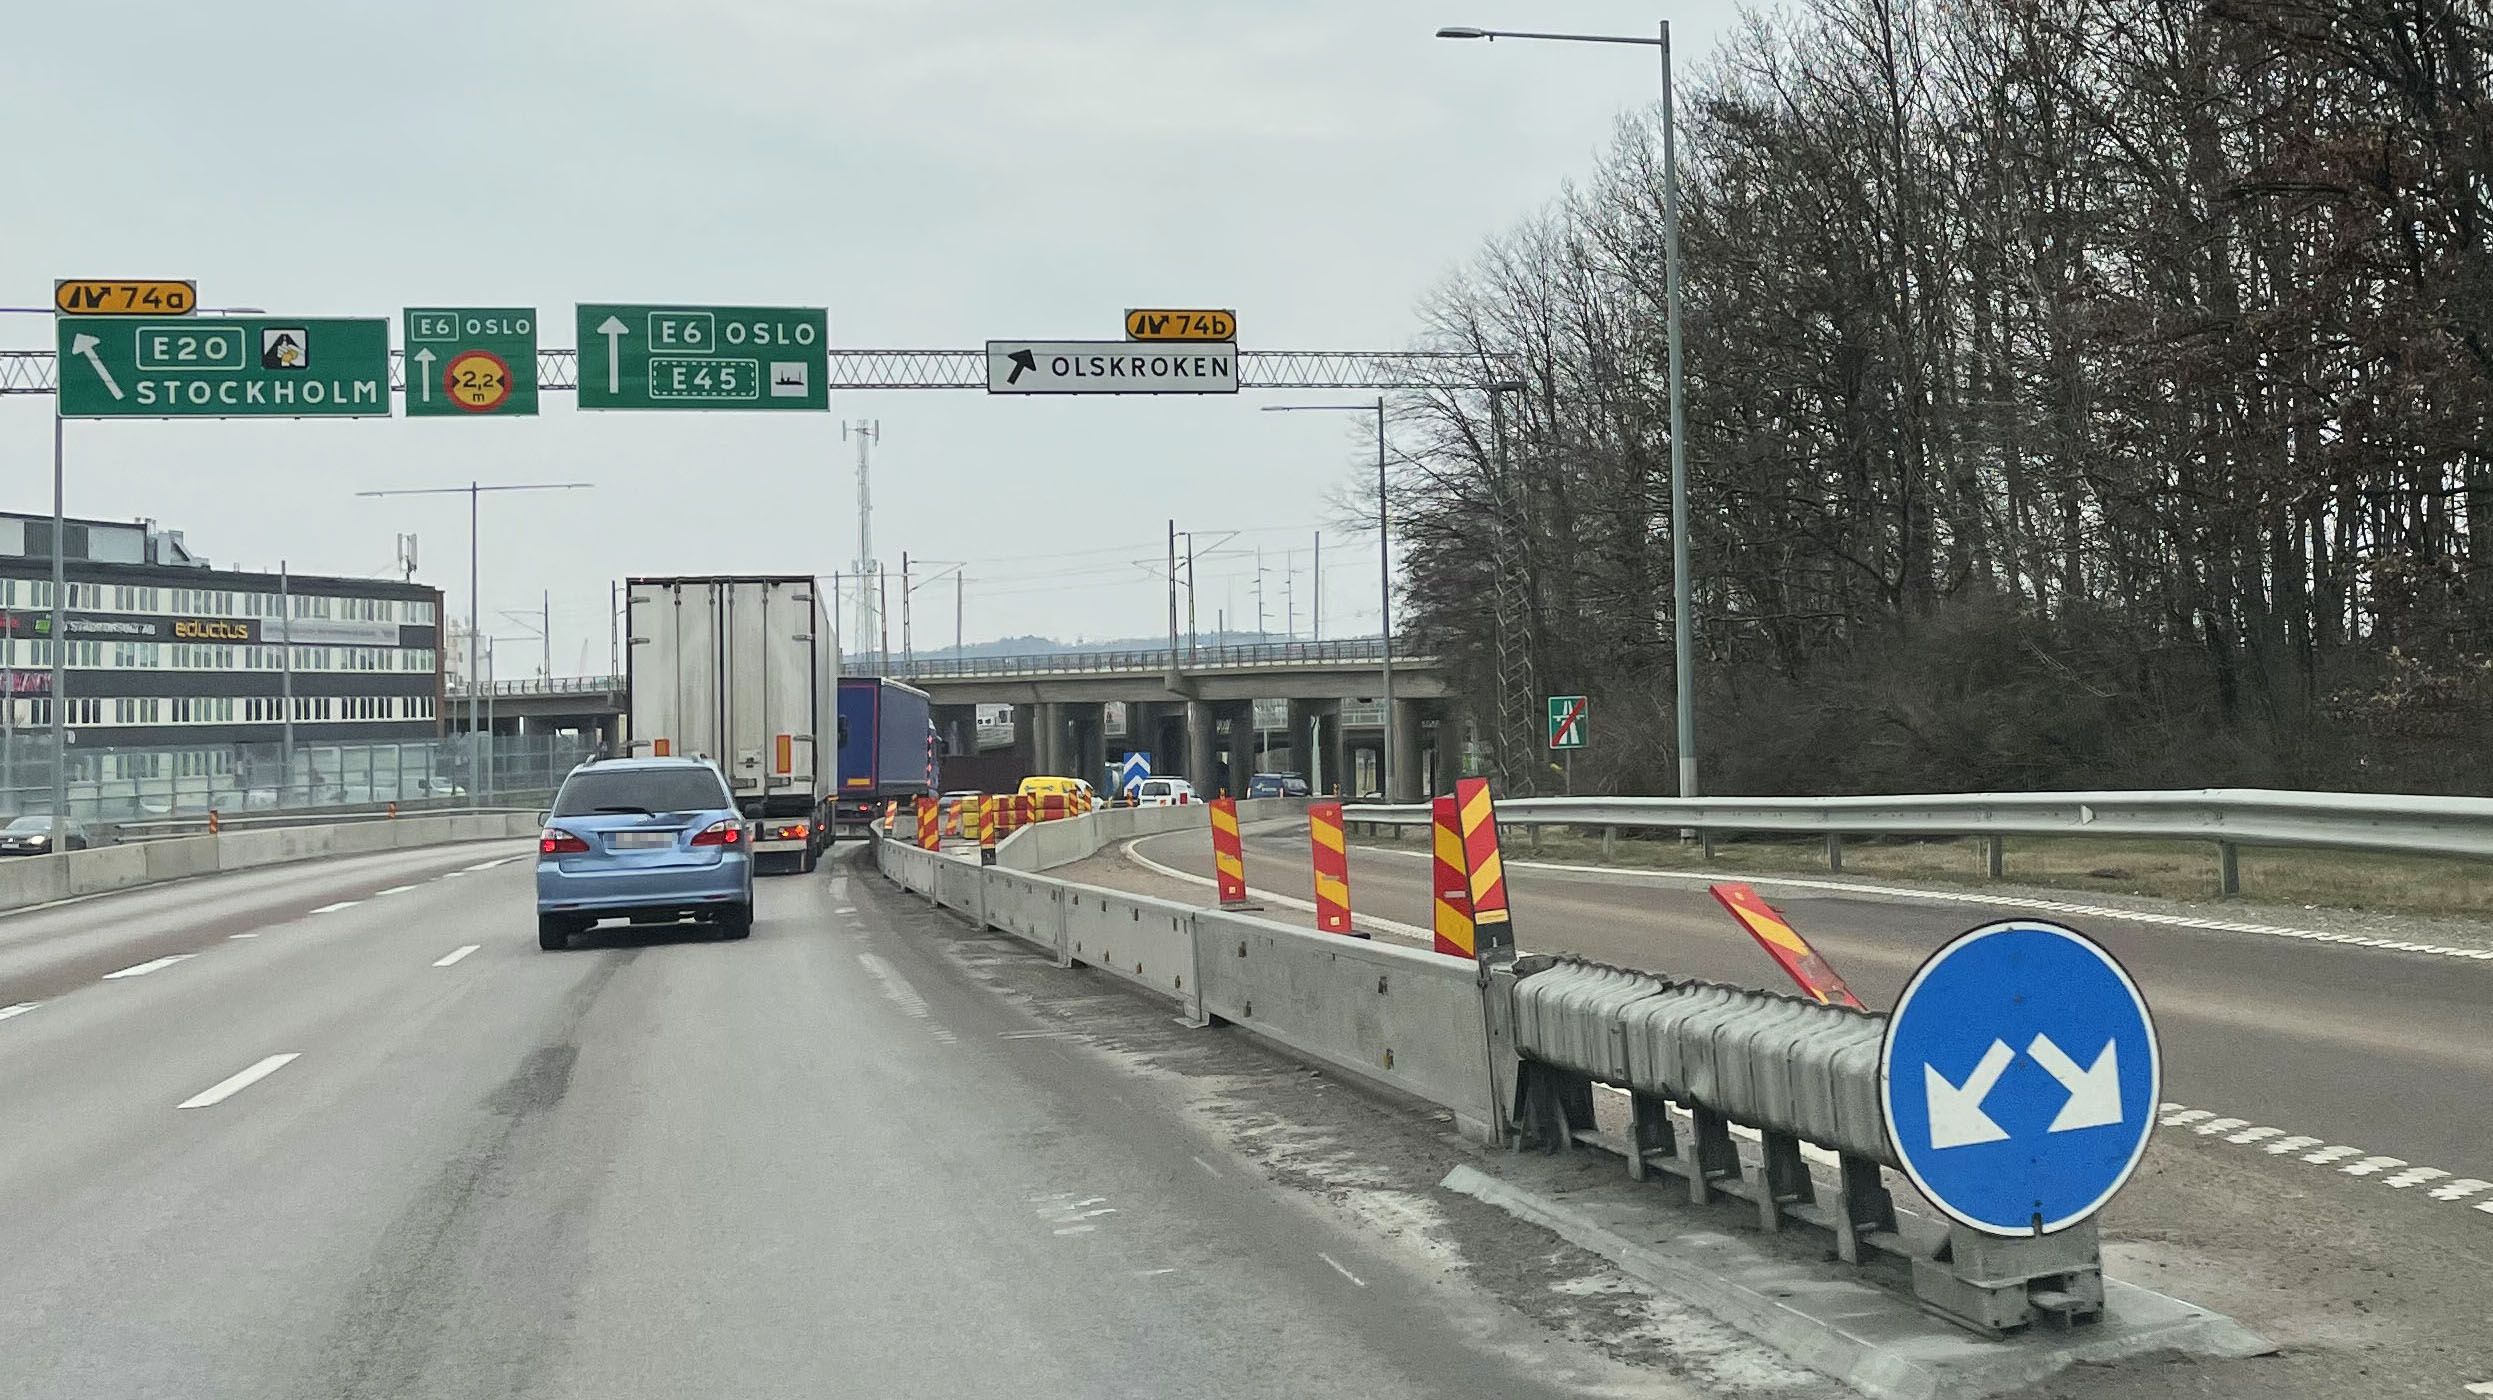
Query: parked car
(1164, 792)
(41, 836)
(653, 840)
(1277, 785)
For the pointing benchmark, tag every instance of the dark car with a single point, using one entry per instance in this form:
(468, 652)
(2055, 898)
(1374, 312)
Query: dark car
(1277, 785)
(41, 836)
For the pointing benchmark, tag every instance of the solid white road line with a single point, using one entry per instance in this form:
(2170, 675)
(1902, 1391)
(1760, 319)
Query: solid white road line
(450, 875)
(19, 1009)
(394, 889)
(224, 1089)
(1337, 1268)
(151, 965)
(455, 954)
(341, 904)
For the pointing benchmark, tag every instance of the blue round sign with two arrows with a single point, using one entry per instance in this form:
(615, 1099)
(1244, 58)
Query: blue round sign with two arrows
(2020, 1077)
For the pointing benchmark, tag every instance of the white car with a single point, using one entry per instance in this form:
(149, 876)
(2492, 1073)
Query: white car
(1164, 792)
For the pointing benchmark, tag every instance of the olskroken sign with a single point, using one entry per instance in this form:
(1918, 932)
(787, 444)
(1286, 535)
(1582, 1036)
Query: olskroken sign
(1111, 367)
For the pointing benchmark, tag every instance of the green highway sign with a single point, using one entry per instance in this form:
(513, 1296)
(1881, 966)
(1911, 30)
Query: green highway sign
(1566, 721)
(470, 361)
(704, 357)
(223, 367)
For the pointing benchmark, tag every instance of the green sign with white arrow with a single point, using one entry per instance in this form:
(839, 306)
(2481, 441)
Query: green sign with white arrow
(223, 367)
(757, 358)
(471, 361)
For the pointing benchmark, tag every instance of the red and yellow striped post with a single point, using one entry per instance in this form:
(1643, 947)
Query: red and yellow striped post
(1025, 810)
(1493, 927)
(1052, 807)
(1228, 854)
(1452, 890)
(891, 817)
(930, 825)
(1324, 836)
(1791, 952)
(986, 830)
(952, 817)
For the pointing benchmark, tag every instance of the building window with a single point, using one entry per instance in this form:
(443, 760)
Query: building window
(136, 709)
(83, 711)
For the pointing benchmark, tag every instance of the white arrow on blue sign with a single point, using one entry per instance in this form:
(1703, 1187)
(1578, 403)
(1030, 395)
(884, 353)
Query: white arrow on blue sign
(1130, 777)
(2019, 1077)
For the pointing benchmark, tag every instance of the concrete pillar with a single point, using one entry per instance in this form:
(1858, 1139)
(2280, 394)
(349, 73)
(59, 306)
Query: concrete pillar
(1051, 738)
(1407, 776)
(1026, 738)
(1199, 747)
(1335, 751)
(958, 727)
(1090, 743)
(1302, 756)
(1242, 759)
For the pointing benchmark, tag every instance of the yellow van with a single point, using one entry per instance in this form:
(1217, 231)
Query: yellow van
(1049, 786)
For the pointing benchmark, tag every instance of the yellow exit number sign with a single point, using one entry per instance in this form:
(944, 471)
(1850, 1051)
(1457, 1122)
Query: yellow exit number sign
(1156, 324)
(98, 296)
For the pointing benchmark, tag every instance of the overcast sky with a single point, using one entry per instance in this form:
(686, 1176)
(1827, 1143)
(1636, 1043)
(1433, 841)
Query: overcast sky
(935, 172)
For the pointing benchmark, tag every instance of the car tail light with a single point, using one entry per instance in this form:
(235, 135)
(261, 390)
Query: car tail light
(727, 833)
(558, 842)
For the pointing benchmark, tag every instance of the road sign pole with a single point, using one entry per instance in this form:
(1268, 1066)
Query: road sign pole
(60, 625)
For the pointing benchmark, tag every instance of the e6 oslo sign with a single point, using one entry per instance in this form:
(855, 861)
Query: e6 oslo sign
(223, 367)
(758, 358)
(471, 361)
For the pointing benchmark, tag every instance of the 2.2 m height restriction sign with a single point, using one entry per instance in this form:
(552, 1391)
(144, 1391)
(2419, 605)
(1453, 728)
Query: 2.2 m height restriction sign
(1566, 720)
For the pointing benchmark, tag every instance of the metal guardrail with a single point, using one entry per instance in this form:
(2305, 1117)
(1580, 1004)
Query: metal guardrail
(546, 685)
(169, 828)
(1793, 1070)
(2228, 818)
(1155, 661)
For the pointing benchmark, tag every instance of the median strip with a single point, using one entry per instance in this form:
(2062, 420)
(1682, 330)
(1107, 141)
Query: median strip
(224, 1089)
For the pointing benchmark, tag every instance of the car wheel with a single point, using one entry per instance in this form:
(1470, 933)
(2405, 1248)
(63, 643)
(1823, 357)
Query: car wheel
(553, 933)
(737, 923)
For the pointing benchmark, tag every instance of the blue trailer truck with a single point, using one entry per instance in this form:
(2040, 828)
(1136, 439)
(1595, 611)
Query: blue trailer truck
(887, 748)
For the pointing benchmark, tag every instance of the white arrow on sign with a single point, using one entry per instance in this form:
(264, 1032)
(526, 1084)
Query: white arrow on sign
(1956, 1116)
(84, 346)
(2094, 1093)
(425, 359)
(614, 330)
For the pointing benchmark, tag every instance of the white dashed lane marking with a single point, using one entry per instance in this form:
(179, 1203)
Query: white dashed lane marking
(151, 965)
(2392, 1172)
(455, 954)
(341, 904)
(19, 1009)
(1337, 1268)
(226, 1088)
(394, 889)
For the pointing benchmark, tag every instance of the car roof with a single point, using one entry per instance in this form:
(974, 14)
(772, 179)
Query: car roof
(632, 764)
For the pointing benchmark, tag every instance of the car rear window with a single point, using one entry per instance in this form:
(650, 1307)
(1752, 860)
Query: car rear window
(655, 789)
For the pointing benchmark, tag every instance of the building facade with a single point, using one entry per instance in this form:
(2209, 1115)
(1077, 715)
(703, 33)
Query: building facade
(174, 669)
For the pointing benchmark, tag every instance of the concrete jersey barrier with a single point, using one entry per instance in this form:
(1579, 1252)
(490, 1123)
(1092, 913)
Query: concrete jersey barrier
(31, 880)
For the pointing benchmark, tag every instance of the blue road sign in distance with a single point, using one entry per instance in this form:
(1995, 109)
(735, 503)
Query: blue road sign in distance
(2020, 1077)
(1130, 776)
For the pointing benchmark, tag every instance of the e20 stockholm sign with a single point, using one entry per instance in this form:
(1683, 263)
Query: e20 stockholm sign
(226, 367)
(754, 358)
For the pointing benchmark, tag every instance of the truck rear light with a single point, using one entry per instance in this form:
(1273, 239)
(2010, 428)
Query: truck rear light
(797, 832)
(727, 833)
(557, 842)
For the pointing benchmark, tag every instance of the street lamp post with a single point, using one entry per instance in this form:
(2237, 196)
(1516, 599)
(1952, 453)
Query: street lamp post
(473, 491)
(1683, 626)
(1384, 576)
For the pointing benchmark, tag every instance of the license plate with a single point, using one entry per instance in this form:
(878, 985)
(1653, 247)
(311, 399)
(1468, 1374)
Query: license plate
(640, 840)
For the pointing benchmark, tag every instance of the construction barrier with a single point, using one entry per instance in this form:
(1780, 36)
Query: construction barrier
(1493, 925)
(930, 826)
(986, 830)
(1228, 853)
(891, 817)
(1451, 890)
(1332, 859)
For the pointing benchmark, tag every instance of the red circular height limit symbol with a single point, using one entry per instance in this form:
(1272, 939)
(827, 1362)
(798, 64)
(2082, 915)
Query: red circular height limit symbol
(477, 380)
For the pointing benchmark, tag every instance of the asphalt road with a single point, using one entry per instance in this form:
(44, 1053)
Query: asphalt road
(2386, 1051)
(824, 1161)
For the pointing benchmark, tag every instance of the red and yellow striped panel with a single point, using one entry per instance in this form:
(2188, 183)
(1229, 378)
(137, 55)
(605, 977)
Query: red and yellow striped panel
(1791, 952)
(986, 822)
(891, 817)
(930, 826)
(1492, 923)
(1228, 852)
(1453, 895)
(1332, 853)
